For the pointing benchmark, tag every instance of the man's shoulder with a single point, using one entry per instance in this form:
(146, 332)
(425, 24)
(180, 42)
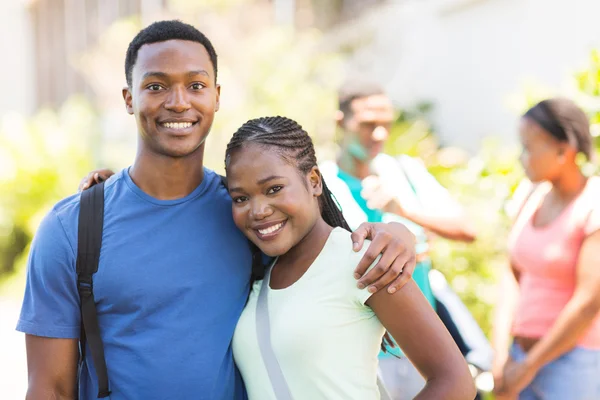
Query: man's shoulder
(67, 209)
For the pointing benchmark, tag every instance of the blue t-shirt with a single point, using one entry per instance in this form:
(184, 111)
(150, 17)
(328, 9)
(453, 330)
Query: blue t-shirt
(172, 282)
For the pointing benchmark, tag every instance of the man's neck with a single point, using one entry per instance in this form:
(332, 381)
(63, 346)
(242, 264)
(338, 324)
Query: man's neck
(352, 166)
(167, 178)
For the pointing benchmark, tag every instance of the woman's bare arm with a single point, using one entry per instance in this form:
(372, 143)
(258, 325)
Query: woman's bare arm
(424, 339)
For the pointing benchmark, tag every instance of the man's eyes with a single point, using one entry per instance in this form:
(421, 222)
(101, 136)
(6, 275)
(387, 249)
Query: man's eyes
(154, 87)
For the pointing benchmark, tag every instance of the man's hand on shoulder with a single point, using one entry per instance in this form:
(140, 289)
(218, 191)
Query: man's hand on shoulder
(396, 244)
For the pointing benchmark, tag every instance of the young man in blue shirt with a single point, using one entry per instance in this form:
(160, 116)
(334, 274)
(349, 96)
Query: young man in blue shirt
(174, 271)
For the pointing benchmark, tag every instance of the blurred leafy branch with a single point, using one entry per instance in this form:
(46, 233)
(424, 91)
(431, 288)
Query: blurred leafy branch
(42, 160)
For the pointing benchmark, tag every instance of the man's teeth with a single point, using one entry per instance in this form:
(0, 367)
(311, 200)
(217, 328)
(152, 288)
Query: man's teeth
(270, 229)
(177, 125)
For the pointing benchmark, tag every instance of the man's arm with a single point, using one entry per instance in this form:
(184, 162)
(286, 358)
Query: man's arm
(51, 368)
(50, 312)
(439, 212)
(457, 227)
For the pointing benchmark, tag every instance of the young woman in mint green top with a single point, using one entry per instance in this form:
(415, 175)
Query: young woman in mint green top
(324, 331)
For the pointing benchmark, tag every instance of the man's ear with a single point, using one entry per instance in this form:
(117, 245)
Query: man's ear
(316, 181)
(128, 100)
(339, 118)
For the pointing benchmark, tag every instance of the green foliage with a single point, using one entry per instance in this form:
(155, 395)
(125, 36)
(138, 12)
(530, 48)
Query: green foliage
(587, 82)
(42, 161)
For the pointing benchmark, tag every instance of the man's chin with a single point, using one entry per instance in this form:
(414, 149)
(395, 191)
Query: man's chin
(182, 151)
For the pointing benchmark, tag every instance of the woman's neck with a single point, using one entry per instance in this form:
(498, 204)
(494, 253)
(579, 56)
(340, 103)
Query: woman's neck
(308, 248)
(570, 184)
(167, 178)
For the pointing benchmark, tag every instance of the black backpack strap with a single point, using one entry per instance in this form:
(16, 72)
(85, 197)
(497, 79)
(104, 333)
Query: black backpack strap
(258, 268)
(91, 221)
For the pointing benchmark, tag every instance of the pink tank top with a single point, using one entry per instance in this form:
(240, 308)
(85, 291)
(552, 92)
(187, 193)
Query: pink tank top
(546, 258)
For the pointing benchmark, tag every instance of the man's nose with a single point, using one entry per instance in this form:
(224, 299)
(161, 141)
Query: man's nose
(380, 134)
(178, 100)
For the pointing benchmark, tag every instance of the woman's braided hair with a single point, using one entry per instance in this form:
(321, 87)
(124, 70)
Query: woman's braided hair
(294, 144)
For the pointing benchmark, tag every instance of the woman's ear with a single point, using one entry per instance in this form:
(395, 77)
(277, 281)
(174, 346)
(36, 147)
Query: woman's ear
(316, 181)
(566, 152)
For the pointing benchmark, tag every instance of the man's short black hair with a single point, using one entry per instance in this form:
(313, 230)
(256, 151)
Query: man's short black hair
(353, 89)
(162, 31)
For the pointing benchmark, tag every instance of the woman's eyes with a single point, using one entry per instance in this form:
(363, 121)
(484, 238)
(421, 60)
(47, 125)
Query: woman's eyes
(274, 189)
(239, 199)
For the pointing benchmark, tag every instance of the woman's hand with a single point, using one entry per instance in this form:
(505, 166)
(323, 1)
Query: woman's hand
(396, 244)
(498, 374)
(516, 376)
(93, 178)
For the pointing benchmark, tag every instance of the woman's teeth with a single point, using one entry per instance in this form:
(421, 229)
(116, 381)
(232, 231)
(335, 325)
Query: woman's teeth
(270, 229)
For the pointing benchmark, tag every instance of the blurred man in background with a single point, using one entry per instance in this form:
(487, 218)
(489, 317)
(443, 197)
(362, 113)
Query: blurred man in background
(372, 186)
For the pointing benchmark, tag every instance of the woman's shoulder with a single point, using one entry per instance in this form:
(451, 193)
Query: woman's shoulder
(342, 260)
(593, 187)
(591, 206)
(340, 242)
(340, 249)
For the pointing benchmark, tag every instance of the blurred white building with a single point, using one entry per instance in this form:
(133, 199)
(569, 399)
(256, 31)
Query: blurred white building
(466, 57)
(16, 72)
(470, 58)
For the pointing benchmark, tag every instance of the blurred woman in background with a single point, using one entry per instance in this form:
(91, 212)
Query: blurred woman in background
(553, 316)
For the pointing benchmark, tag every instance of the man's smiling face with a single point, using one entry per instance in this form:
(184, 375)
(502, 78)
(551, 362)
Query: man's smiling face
(173, 95)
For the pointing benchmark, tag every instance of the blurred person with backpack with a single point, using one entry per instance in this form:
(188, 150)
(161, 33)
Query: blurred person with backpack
(373, 186)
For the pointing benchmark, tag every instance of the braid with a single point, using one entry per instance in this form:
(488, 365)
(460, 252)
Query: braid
(330, 211)
(294, 144)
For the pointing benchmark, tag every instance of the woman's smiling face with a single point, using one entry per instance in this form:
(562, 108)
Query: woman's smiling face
(273, 203)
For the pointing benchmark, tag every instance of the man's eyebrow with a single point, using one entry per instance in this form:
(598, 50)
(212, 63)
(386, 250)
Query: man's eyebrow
(199, 72)
(260, 182)
(154, 74)
(158, 74)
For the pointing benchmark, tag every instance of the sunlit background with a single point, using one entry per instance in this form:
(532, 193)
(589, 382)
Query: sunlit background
(459, 71)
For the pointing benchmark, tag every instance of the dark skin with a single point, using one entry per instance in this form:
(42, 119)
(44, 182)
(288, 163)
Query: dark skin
(173, 82)
(366, 128)
(268, 191)
(546, 159)
(174, 96)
